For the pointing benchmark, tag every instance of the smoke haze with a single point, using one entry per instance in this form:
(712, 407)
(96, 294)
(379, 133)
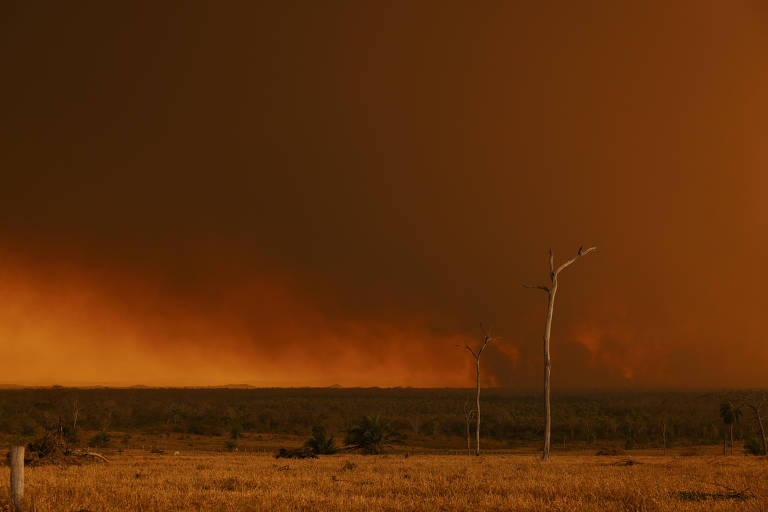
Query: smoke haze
(314, 194)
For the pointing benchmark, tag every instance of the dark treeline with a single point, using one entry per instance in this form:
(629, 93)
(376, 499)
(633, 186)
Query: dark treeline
(630, 419)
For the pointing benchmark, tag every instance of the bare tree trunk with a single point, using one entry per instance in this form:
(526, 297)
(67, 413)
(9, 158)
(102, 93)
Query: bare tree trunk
(551, 292)
(547, 372)
(477, 408)
(75, 412)
(664, 436)
(756, 410)
(468, 413)
(469, 441)
(762, 430)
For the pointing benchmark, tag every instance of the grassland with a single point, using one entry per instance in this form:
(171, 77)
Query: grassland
(211, 450)
(136, 480)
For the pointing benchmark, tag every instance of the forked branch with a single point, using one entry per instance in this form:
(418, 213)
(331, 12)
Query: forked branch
(582, 252)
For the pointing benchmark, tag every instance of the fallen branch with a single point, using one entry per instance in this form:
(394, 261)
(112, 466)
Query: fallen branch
(95, 455)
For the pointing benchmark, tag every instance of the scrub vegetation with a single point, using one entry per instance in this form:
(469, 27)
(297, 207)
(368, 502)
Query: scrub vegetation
(428, 418)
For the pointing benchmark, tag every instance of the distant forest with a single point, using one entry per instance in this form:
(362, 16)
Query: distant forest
(626, 419)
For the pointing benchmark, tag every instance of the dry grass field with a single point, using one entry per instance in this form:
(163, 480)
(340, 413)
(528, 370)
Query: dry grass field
(198, 481)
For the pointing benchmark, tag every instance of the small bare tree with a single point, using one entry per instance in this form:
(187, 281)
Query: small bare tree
(757, 406)
(486, 339)
(75, 414)
(756, 401)
(551, 292)
(469, 413)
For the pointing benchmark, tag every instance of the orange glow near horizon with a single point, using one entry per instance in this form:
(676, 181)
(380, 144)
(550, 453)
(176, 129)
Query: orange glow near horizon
(63, 329)
(67, 327)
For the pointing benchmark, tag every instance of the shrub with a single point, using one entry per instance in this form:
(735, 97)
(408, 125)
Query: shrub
(297, 453)
(372, 434)
(754, 446)
(320, 443)
(48, 445)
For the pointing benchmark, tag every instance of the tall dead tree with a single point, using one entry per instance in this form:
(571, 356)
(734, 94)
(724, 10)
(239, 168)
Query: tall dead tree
(551, 292)
(486, 339)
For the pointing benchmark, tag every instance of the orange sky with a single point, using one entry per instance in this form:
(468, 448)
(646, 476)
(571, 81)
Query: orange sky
(314, 194)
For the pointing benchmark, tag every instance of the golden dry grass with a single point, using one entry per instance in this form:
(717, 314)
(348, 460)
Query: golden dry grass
(137, 481)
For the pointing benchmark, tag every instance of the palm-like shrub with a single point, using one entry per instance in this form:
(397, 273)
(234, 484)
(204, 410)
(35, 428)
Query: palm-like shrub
(320, 443)
(730, 415)
(371, 435)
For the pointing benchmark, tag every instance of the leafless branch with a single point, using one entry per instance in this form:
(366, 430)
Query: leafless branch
(487, 338)
(469, 349)
(582, 252)
(537, 287)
